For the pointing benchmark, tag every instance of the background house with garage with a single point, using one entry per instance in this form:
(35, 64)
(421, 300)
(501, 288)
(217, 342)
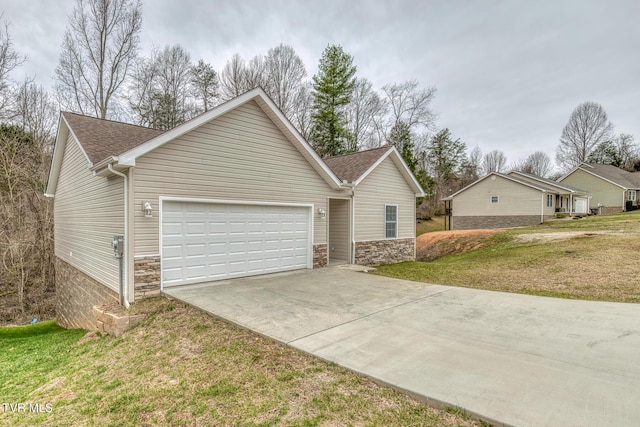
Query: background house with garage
(500, 201)
(234, 192)
(612, 189)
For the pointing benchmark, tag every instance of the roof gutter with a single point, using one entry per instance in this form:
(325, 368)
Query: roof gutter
(123, 289)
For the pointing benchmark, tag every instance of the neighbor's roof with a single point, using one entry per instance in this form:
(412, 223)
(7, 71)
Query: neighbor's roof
(549, 182)
(350, 167)
(101, 138)
(614, 174)
(539, 187)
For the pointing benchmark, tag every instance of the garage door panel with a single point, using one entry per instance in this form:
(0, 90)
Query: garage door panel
(209, 241)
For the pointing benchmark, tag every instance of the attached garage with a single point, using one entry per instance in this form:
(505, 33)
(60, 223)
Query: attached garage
(205, 241)
(581, 205)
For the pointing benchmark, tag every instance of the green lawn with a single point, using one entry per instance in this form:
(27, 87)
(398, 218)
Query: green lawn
(183, 367)
(436, 223)
(29, 354)
(598, 262)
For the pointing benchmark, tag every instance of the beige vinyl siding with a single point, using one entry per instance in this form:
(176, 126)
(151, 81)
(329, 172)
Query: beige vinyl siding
(385, 185)
(603, 192)
(339, 237)
(89, 211)
(241, 155)
(513, 199)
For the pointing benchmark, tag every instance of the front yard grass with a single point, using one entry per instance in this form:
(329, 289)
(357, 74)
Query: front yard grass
(599, 262)
(183, 367)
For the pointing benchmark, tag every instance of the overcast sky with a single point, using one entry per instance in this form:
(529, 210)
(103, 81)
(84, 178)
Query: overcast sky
(508, 73)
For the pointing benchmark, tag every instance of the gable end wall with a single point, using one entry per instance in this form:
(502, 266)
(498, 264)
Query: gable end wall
(241, 155)
(88, 212)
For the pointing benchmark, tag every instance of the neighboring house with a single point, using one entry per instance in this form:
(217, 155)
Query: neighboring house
(500, 201)
(610, 187)
(569, 199)
(234, 192)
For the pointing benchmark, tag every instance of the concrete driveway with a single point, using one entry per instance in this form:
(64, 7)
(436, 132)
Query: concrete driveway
(513, 359)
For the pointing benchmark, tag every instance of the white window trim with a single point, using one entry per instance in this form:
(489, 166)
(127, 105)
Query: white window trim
(631, 195)
(497, 199)
(387, 222)
(549, 200)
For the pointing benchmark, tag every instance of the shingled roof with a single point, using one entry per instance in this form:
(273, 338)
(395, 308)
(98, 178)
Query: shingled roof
(350, 167)
(614, 174)
(104, 138)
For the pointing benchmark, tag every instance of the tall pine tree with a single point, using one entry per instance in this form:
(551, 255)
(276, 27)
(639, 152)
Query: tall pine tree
(400, 137)
(332, 88)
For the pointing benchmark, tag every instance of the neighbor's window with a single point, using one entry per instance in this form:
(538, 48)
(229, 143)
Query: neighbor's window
(549, 200)
(494, 199)
(631, 195)
(390, 221)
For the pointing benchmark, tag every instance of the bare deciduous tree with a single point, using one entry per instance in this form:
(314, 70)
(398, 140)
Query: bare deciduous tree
(26, 260)
(284, 73)
(36, 111)
(363, 112)
(9, 60)
(160, 96)
(232, 78)
(409, 104)
(588, 126)
(538, 164)
(494, 161)
(98, 49)
(303, 110)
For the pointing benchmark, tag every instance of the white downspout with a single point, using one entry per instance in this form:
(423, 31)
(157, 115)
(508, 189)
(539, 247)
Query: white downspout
(542, 208)
(353, 224)
(125, 273)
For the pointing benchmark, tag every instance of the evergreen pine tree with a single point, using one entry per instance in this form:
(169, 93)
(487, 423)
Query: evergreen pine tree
(332, 88)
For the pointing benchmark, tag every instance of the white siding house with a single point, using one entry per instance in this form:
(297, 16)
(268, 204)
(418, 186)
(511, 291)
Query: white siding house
(234, 192)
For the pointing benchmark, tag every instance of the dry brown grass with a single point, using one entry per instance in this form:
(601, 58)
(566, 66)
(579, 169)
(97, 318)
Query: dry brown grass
(594, 258)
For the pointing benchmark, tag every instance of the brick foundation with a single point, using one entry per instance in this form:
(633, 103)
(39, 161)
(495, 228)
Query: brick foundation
(76, 294)
(376, 252)
(320, 258)
(146, 277)
(608, 210)
(480, 222)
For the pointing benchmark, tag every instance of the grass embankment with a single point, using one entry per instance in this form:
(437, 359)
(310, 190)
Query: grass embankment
(183, 367)
(435, 223)
(593, 258)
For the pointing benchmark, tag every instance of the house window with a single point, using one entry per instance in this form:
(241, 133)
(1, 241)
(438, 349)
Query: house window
(390, 221)
(631, 195)
(494, 199)
(549, 200)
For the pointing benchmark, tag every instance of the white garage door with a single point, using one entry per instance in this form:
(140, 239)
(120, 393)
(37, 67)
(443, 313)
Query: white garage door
(581, 205)
(213, 241)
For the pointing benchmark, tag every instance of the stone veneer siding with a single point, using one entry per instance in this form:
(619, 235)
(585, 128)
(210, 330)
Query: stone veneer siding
(376, 252)
(480, 222)
(320, 258)
(146, 277)
(76, 294)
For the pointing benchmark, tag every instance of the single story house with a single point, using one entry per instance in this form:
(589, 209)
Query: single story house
(610, 187)
(234, 192)
(511, 200)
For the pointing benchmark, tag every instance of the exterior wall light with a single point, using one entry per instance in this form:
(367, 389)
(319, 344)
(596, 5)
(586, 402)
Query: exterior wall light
(322, 212)
(146, 208)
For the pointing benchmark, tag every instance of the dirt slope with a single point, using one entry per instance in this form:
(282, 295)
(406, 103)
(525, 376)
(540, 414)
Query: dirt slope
(431, 246)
